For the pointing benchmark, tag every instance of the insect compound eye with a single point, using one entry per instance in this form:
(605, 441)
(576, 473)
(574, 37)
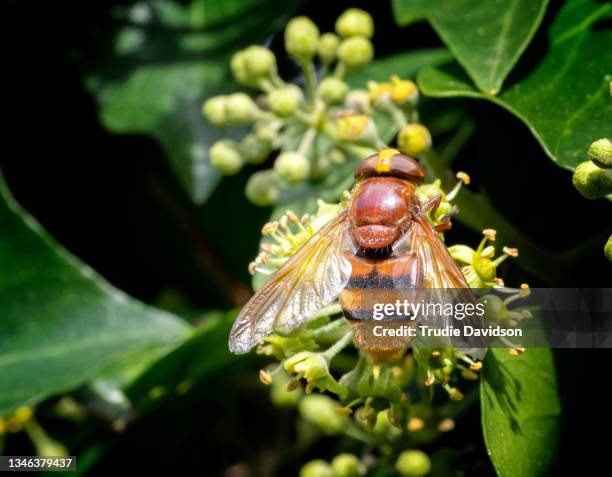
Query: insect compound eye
(390, 162)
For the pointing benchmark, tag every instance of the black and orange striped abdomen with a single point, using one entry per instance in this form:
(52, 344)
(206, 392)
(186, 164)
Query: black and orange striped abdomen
(378, 282)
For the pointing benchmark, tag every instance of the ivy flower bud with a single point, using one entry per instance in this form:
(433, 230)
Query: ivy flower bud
(333, 90)
(316, 468)
(240, 71)
(347, 465)
(358, 100)
(355, 22)
(414, 139)
(355, 51)
(214, 110)
(254, 150)
(267, 130)
(355, 128)
(320, 410)
(301, 38)
(413, 463)
(284, 101)
(592, 181)
(328, 48)
(259, 61)
(261, 188)
(600, 152)
(292, 167)
(404, 91)
(379, 92)
(225, 156)
(608, 249)
(240, 109)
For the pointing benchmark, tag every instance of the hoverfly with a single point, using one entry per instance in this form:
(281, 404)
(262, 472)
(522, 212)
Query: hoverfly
(381, 244)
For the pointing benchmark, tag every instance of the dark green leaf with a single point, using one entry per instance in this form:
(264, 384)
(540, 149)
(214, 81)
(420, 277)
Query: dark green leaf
(61, 323)
(564, 100)
(520, 411)
(405, 65)
(166, 59)
(205, 352)
(486, 38)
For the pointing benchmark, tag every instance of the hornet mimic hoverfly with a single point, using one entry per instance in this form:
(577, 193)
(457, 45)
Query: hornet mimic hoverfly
(374, 251)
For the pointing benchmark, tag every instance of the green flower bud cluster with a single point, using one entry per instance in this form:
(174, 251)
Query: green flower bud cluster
(343, 465)
(281, 110)
(593, 178)
(592, 181)
(237, 109)
(253, 66)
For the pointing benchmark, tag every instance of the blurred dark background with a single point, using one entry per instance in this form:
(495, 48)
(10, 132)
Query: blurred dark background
(114, 202)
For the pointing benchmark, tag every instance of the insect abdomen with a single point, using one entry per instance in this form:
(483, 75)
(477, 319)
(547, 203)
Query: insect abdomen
(380, 283)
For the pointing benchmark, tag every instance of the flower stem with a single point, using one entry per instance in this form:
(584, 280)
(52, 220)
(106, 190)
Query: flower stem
(311, 81)
(331, 309)
(397, 115)
(307, 141)
(340, 70)
(338, 346)
(330, 328)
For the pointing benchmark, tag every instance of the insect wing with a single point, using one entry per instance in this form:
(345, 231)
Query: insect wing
(309, 280)
(442, 282)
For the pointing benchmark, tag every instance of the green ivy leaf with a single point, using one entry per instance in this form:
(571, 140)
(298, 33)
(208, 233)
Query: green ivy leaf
(204, 353)
(520, 411)
(486, 38)
(61, 323)
(405, 65)
(564, 100)
(165, 60)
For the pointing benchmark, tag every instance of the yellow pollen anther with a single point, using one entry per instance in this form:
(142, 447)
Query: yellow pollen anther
(476, 366)
(269, 228)
(415, 424)
(511, 252)
(490, 234)
(265, 377)
(463, 177)
(292, 217)
(446, 425)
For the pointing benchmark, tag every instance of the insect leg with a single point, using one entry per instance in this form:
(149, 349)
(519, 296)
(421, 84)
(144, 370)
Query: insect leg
(445, 225)
(432, 204)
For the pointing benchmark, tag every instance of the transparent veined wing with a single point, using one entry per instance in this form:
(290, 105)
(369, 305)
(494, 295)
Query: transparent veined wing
(309, 280)
(442, 282)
